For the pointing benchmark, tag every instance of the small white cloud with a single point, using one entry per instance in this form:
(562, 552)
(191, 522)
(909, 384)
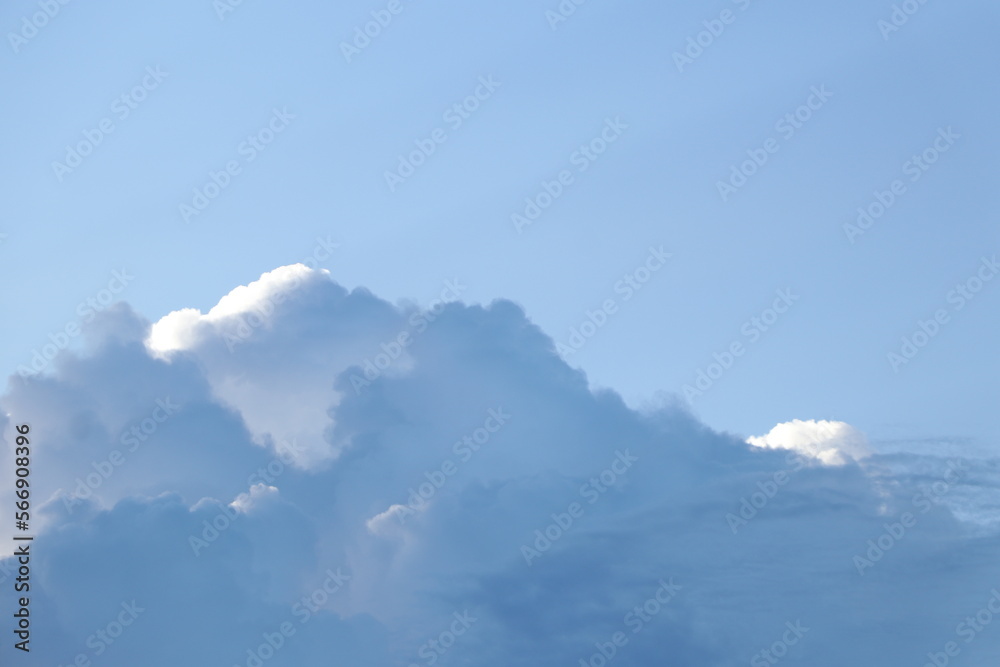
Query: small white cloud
(388, 521)
(259, 493)
(832, 443)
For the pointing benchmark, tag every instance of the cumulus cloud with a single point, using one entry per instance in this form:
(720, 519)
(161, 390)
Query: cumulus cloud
(270, 494)
(832, 443)
(181, 329)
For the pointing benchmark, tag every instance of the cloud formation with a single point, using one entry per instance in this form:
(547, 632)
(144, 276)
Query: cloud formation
(472, 501)
(833, 443)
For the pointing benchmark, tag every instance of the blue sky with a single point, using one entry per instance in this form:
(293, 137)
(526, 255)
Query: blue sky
(614, 122)
(657, 185)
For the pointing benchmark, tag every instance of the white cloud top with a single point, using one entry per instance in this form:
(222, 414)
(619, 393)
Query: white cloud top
(830, 442)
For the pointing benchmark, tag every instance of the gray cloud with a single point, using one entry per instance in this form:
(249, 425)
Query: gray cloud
(316, 543)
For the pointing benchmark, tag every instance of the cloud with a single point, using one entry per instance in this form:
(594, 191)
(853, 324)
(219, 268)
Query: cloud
(324, 329)
(832, 443)
(181, 329)
(258, 494)
(266, 506)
